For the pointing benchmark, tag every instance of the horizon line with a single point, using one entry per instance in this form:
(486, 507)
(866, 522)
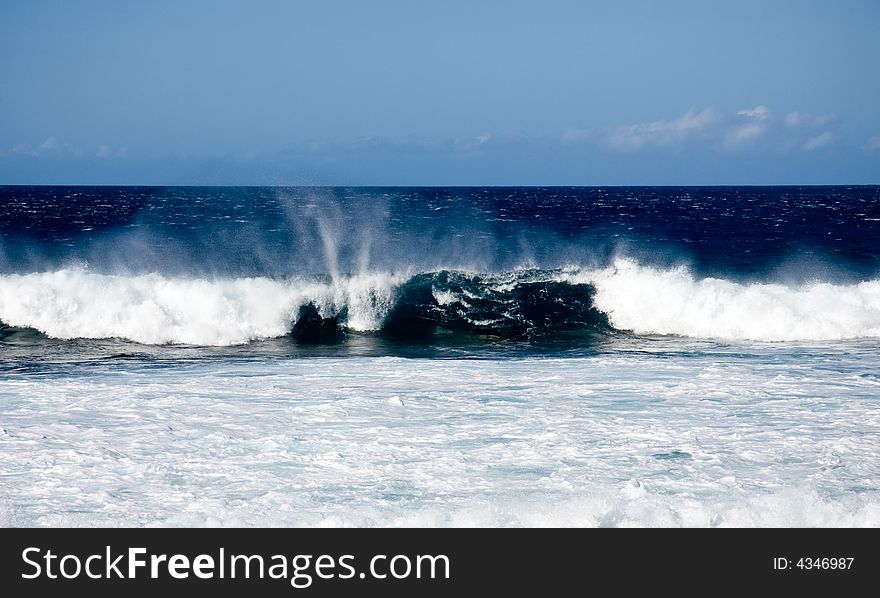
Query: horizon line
(435, 186)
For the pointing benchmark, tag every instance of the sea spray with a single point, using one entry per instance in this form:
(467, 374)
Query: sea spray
(156, 309)
(675, 301)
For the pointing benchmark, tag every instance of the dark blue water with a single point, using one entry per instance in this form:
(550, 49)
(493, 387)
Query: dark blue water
(721, 231)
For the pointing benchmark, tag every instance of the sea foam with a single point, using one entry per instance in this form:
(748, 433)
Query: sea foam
(156, 309)
(153, 309)
(675, 301)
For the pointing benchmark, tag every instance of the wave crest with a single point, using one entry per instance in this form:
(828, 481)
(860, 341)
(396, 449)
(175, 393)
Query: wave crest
(675, 302)
(627, 296)
(153, 309)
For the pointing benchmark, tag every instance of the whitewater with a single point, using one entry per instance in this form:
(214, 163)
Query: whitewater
(603, 357)
(155, 309)
(709, 437)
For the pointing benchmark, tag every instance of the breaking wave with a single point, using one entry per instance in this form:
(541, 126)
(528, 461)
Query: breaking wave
(624, 297)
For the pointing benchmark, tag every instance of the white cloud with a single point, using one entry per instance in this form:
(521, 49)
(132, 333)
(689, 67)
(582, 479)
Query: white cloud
(872, 144)
(743, 135)
(22, 150)
(759, 112)
(804, 119)
(575, 135)
(818, 141)
(105, 151)
(663, 132)
(756, 127)
(52, 147)
(50, 144)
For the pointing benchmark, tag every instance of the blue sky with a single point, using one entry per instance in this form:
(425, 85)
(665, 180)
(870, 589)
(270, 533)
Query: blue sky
(452, 93)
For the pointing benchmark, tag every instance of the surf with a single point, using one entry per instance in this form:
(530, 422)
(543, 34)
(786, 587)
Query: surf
(675, 301)
(576, 303)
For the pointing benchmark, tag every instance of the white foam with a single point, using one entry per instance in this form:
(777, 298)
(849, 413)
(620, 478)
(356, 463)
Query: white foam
(153, 309)
(7, 512)
(610, 507)
(444, 297)
(625, 439)
(653, 301)
(603, 507)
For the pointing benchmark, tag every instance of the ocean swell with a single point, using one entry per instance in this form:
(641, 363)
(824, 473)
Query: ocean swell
(675, 302)
(626, 296)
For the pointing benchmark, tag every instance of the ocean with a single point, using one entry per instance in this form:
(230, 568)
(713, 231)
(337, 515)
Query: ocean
(267, 356)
